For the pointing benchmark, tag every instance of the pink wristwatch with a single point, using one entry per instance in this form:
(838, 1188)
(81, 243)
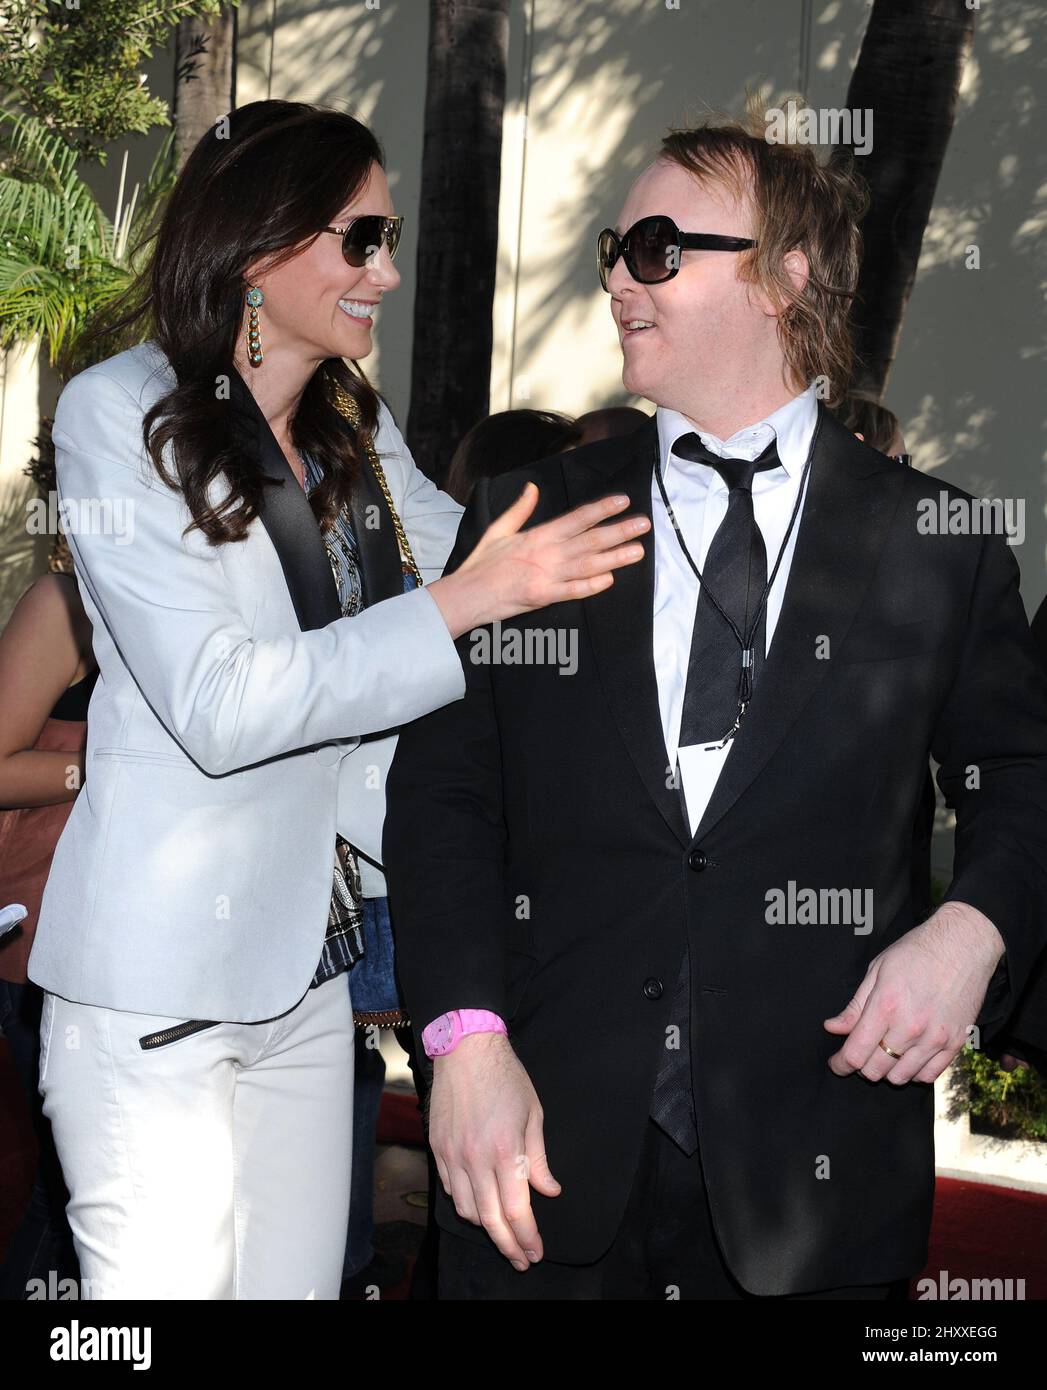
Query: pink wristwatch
(445, 1033)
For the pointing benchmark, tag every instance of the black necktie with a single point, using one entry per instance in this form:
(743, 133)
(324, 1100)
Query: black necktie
(735, 573)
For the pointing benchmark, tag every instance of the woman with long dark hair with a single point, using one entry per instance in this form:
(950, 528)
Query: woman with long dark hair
(242, 511)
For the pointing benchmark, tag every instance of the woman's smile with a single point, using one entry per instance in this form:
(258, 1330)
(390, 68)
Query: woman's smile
(359, 309)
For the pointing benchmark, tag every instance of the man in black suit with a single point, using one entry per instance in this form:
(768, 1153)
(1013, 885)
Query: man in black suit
(664, 840)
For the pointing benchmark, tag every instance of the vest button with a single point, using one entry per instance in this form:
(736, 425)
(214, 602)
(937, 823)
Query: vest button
(696, 860)
(652, 988)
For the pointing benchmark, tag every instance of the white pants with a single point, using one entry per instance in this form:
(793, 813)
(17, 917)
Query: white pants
(213, 1167)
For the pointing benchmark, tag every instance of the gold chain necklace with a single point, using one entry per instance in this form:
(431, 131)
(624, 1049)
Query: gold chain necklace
(351, 411)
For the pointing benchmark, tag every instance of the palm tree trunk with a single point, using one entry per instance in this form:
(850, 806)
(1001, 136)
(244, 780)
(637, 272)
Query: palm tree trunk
(457, 226)
(908, 74)
(205, 76)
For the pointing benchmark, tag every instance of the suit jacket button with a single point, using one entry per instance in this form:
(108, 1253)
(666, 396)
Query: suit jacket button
(652, 988)
(696, 860)
(328, 754)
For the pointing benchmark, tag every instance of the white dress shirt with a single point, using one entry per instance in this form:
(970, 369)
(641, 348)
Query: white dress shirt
(698, 496)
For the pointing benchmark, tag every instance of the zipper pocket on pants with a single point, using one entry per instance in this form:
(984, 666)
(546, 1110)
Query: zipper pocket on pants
(170, 1035)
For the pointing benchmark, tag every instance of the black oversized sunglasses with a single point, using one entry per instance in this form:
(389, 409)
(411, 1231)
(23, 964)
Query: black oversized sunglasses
(362, 238)
(651, 248)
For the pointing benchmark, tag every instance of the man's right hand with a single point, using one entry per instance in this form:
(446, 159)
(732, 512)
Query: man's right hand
(485, 1130)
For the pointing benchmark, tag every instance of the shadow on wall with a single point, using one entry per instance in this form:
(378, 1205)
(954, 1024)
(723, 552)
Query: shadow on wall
(605, 86)
(24, 556)
(372, 64)
(967, 382)
(606, 77)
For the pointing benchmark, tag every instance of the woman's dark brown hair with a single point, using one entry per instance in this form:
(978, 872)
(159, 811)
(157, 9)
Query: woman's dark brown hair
(262, 182)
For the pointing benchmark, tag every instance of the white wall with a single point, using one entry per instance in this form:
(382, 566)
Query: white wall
(600, 81)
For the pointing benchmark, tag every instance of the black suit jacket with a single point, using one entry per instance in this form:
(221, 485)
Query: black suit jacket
(540, 866)
(1025, 1032)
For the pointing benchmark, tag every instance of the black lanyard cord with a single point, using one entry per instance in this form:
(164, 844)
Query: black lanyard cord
(744, 641)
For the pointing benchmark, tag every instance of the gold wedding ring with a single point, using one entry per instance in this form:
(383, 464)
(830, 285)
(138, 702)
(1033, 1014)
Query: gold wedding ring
(889, 1050)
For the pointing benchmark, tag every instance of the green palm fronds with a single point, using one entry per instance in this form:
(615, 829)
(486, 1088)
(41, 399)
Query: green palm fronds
(62, 260)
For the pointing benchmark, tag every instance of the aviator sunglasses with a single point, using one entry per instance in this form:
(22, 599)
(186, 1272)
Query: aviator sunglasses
(651, 248)
(363, 237)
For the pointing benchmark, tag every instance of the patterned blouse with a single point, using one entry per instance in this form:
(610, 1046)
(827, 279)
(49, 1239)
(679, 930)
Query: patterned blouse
(344, 943)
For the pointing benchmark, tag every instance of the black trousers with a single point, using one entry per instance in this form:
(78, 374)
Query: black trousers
(41, 1249)
(665, 1249)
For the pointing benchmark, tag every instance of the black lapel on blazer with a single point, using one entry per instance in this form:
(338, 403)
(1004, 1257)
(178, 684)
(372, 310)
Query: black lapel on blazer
(852, 494)
(381, 571)
(288, 518)
(621, 619)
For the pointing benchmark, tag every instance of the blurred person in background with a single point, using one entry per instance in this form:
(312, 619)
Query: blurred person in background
(47, 674)
(610, 422)
(506, 440)
(873, 422)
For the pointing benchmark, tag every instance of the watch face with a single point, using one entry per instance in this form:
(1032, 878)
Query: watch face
(439, 1034)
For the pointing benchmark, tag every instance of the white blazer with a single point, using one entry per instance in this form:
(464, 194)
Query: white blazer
(193, 876)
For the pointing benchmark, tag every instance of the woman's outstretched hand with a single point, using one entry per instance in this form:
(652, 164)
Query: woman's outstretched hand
(513, 571)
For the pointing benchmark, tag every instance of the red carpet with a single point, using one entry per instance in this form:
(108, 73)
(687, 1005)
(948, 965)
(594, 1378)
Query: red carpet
(979, 1232)
(17, 1147)
(982, 1232)
(399, 1119)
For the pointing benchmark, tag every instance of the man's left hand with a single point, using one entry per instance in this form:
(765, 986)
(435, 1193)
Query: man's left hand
(919, 996)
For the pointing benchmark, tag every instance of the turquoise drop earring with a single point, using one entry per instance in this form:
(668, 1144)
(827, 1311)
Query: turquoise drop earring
(254, 342)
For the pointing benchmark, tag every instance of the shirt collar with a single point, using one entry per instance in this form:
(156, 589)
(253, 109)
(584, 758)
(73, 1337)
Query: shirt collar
(792, 424)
